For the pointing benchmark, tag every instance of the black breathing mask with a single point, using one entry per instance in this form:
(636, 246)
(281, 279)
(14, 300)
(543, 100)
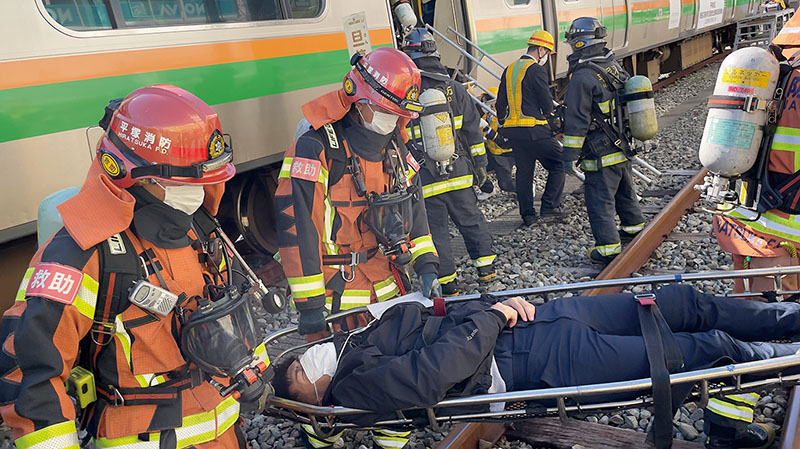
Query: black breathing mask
(389, 217)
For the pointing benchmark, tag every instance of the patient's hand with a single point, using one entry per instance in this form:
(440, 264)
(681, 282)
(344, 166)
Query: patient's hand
(516, 308)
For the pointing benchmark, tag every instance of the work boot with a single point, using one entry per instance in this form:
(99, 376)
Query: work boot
(553, 213)
(597, 258)
(449, 289)
(529, 220)
(486, 272)
(626, 237)
(758, 436)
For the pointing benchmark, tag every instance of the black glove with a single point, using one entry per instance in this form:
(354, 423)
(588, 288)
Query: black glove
(480, 176)
(311, 321)
(430, 285)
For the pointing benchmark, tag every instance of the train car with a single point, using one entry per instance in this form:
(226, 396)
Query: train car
(256, 62)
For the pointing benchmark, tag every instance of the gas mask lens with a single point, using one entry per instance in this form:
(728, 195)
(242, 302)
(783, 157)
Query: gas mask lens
(220, 335)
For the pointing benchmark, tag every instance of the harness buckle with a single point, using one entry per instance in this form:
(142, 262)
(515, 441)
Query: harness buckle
(119, 400)
(104, 328)
(645, 299)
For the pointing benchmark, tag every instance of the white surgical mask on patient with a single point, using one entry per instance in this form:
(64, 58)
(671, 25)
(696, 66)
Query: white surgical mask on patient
(318, 361)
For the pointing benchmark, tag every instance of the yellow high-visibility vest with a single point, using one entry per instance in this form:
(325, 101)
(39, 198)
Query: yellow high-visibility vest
(514, 76)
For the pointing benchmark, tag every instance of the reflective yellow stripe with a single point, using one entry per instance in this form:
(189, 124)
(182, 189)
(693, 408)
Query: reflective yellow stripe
(747, 398)
(608, 250)
(387, 289)
(731, 411)
(484, 261)
(604, 106)
(388, 439)
(286, 168)
(62, 436)
(449, 185)
(767, 223)
(195, 429)
(261, 353)
(316, 441)
(23, 286)
(422, 245)
(307, 286)
(86, 301)
(478, 149)
(458, 120)
(447, 279)
(574, 142)
(605, 161)
(327, 232)
(351, 299)
(633, 229)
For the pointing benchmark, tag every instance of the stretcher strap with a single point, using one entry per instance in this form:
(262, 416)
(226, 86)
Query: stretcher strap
(664, 357)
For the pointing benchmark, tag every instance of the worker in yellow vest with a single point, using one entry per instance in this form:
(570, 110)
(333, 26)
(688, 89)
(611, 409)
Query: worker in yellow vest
(523, 103)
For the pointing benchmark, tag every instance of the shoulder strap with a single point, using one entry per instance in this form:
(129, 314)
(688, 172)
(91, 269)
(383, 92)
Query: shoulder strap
(119, 269)
(335, 152)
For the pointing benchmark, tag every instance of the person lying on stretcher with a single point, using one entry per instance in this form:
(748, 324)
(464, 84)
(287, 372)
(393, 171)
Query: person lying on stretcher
(410, 358)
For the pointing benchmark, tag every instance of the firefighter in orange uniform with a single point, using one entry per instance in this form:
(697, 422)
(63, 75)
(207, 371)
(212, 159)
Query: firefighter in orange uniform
(130, 227)
(350, 213)
(771, 239)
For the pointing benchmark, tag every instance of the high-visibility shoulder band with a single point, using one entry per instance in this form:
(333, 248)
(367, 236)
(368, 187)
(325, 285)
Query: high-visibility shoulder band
(307, 286)
(449, 185)
(316, 441)
(484, 261)
(351, 299)
(604, 106)
(286, 171)
(729, 410)
(478, 149)
(62, 435)
(574, 142)
(744, 399)
(23, 286)
(422, 245)
(195, 429)
(387, 289)
(447, 279)
(609, 250)
(633, 228)
(605, 161)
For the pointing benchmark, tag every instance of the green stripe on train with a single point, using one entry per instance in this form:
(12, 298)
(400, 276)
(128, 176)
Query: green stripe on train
(38, 110)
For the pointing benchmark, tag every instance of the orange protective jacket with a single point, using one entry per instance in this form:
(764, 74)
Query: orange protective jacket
(316, 219)
(53, 314)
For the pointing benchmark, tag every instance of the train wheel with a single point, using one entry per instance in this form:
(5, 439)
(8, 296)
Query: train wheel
(255, 211)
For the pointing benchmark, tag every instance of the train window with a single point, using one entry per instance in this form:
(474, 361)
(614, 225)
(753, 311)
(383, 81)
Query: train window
(518, 2)
(83, 15)
(302, 9)
(79, 14)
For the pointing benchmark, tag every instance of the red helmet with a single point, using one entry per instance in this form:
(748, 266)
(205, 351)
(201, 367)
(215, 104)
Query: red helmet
(388, 78)
(164, 132)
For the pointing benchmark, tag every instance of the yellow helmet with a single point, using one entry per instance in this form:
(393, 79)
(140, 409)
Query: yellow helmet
(543, 39)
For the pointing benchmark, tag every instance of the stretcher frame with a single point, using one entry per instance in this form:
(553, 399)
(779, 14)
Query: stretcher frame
(327, 421)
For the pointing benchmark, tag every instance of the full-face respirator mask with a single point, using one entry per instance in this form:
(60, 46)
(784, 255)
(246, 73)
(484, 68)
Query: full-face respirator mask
(389, 217)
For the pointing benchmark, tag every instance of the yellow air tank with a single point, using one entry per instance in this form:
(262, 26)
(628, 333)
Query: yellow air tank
(641, 107)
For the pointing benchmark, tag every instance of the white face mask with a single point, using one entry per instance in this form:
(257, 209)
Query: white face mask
(318, 361)
(185, 198)
(543, 59)
(382, 123)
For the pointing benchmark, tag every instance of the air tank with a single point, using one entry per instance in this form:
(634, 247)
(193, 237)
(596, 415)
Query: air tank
(732, 136)
(436, 126)
(641, 107)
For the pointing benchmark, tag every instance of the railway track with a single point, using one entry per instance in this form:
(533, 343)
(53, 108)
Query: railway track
(560, 433)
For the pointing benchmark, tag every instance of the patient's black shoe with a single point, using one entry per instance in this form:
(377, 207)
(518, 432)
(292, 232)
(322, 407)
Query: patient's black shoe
(758, 436)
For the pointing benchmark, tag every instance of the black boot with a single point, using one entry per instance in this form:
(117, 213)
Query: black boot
(757, 435)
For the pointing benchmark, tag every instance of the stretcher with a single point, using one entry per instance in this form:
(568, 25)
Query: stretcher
(562, 401)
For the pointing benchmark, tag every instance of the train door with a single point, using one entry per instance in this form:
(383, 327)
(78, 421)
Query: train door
(615, 19)
(453, 14)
